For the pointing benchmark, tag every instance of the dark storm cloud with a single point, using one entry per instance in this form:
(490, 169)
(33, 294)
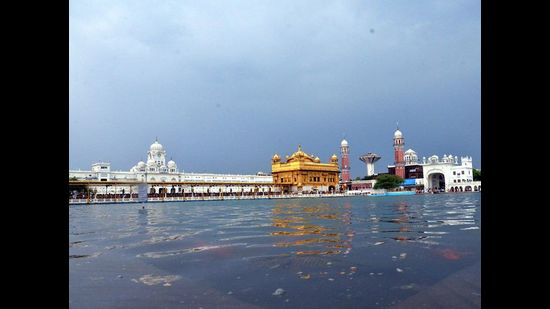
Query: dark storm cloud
(225, 85)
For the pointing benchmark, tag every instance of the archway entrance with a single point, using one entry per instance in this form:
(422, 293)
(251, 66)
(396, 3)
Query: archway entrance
(436, 181)
(331, 189)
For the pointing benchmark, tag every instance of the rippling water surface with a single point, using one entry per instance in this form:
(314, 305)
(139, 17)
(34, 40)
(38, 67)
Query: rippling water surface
(362, 252)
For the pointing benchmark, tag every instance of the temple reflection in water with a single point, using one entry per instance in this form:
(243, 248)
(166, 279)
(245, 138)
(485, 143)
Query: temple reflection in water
(313, 230)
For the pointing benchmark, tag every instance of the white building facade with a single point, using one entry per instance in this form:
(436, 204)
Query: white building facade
(165, 177)
(449, 174)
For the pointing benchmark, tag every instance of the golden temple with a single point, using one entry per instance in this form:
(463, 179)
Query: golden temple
(303, 172)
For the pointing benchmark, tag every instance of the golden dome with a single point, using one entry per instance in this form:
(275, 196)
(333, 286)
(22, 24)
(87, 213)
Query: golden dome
(334, 158)
(276, 158)
(299, 153)
(317, 160)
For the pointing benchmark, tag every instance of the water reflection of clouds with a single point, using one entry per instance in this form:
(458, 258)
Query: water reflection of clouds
(321, 229)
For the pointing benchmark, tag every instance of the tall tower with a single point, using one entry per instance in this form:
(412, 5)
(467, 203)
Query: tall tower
(369, 159)
(344, 150)
(398, 144)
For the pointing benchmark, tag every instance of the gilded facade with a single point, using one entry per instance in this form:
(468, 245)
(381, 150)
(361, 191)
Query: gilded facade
(303, 172)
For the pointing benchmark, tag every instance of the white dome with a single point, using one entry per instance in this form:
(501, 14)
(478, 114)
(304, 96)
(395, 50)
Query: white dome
(171, 164)
(140, 164)
(397, 134)
(344, 142)
(156, 146)
(410, 151)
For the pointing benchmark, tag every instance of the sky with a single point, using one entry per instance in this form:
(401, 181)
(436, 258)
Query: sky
(224, 85)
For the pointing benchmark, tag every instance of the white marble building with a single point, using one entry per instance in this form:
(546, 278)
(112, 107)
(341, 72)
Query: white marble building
(448, 174)
(156, 172)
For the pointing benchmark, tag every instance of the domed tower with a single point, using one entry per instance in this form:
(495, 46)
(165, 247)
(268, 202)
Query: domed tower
(276, 159)
(172, 166)
(344, 151)
(334, 159)
(398, 144)
(410, 157)
(156, 154)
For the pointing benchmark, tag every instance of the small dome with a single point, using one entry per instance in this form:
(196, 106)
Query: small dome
(410, 151)
(140, 164)
(317, 160)
(276, 157)
(334, 158)
(397, 134)
(344, 143)
(156, 146)
(171, 164)
(299, 153)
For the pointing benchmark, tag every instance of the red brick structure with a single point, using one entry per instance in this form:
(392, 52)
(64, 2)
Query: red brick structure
(344, 151)
(398, 145)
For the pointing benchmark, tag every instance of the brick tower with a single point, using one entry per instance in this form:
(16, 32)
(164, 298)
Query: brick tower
(398, 145)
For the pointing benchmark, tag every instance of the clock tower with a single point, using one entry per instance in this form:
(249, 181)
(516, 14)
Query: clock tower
(398, 144)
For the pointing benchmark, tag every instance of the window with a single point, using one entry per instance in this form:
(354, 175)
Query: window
(454, 180)
(454, 172)
(459, 180)
(462, 172)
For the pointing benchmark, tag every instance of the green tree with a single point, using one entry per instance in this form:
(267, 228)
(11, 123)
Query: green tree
(357, 178)
(388, 181)
(477, 175)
